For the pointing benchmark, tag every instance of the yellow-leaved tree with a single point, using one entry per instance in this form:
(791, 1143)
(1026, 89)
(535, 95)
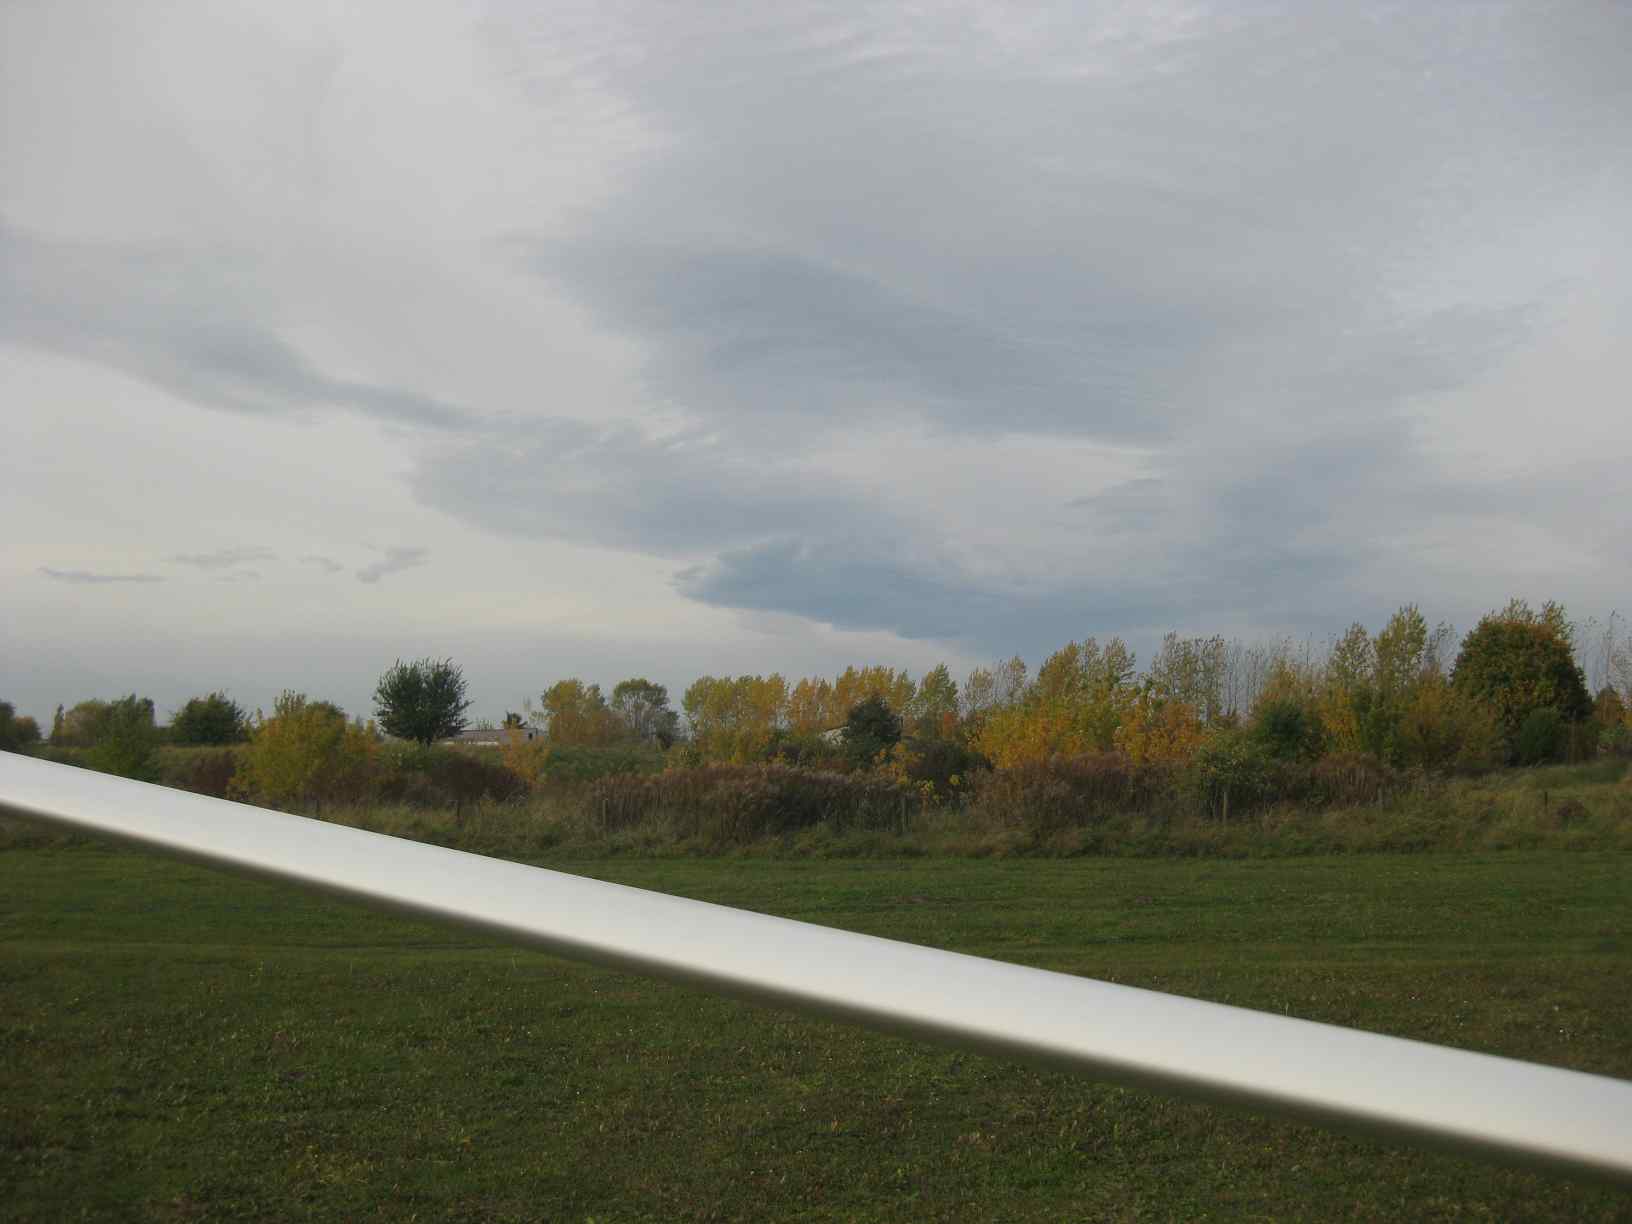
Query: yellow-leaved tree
(1159, 730)
(575, 714)
(734, 718)
(307, 751)
(810, 706)
(1075, 705)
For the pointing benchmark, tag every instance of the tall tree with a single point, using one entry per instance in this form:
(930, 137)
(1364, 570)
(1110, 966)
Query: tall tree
(1518, 661)
(124, 739)
(423, 701)
(642, 708)
(810, 706)
(78, 727)
(576, 715)
(735, 718)
(933, 711)
(1191, 670)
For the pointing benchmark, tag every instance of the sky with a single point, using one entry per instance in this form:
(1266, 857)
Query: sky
(631, 338)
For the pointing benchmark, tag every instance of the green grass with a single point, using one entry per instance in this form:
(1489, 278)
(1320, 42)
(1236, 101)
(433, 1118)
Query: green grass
(181, 1044)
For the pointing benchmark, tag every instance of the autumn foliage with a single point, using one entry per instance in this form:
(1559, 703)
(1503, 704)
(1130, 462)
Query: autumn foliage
(1208, 727)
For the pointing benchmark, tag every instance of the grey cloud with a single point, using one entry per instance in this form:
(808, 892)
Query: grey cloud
(1240, 243)
(787, 541)
(1274, 585)
(90, 577)
(394, 561)
(1286, 535)
(225, 558)
(1065, 223)
(327, 564)
(864, 588)
(776, 332)
(1127, 506)
(1247, 240)
(179, 322)
(849, 587)
(671, 496)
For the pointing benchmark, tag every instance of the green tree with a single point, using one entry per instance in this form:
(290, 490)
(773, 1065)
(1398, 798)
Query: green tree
(1541, 737)
(870, 728)
(1401, 653)
(1371, 685)
(423, 701)
(1518, 661)
(124, 739)
(1399, 661)
(215, 719)
(1230, 769)
(1288, 728)
(642, 709)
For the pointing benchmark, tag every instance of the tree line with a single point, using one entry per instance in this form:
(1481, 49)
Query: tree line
(1515, 691)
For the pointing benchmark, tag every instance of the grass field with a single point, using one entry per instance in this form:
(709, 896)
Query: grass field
(178, 1044)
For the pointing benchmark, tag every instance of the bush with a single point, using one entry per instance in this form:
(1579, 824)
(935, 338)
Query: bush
(307, 751)
(437, 776)
(206, 770)
(1288, 729)
(1616, 741)
(1070, 792)
(1608, 710)
(870, 728)
(1352, 779)
(805, 751)
(1444, 728)
(736, 804)
(215, 719)
(538, 763)
(1231, 772)
(1541, 737)
(938, 768)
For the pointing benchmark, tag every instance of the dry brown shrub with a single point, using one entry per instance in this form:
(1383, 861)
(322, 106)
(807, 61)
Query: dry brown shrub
(737, 804)
(1069, 792)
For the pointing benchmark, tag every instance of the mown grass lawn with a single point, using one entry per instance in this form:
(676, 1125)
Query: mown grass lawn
(181, 1044)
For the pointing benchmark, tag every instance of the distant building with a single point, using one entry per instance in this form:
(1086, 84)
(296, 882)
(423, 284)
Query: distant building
(492, 737)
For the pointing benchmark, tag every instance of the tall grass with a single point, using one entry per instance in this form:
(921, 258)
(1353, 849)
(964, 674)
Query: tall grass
(1098, 805)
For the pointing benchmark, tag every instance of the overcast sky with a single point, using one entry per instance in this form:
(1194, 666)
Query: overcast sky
(610, 338)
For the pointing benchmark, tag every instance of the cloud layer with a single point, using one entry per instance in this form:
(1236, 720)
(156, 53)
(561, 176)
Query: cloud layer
(1245, 252)
(943, 323)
